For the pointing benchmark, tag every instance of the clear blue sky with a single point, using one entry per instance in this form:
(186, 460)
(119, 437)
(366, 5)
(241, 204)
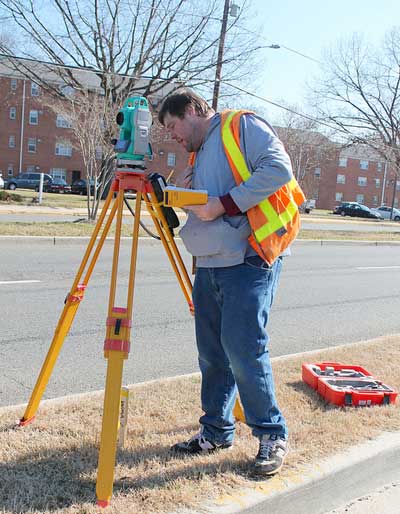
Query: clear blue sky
(309, 27)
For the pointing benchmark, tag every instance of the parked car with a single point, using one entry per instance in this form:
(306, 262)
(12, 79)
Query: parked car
(28, 181)
(357, 210)
(1, 181)
(307, 206)
(79, 187)
(385, 212)
(58, 185)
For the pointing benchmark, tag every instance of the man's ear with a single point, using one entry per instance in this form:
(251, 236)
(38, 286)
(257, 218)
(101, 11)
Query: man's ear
(190, 110)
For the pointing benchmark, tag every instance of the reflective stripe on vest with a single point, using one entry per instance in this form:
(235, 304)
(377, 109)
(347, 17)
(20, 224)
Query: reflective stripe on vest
(274, 221)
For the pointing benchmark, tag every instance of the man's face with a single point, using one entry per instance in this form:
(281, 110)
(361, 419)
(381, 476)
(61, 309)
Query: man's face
(186, 131)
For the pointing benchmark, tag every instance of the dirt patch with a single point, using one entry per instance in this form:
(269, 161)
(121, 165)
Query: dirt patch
(50, 466)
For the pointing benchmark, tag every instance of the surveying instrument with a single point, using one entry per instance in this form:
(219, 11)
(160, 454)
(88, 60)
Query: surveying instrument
(130, 174)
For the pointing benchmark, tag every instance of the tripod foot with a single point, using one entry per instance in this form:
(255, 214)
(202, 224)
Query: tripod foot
(103, 503)
(23, 422)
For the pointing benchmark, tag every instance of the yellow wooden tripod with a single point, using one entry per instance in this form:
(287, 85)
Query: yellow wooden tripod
(117, 341)
(119, 319)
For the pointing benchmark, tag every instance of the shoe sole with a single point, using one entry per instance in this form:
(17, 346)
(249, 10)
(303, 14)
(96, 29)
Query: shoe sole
(260, 471)
(182, 451)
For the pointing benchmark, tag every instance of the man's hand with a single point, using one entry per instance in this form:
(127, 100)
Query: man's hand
(209, 211)
(185, 178)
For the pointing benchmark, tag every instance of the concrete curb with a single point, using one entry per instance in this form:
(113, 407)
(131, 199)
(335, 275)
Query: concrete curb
(299, 242)
(320, 488)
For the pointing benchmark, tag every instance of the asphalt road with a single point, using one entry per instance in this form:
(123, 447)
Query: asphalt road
(329, 295)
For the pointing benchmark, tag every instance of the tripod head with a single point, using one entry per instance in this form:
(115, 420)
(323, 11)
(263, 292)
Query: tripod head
(133, 143)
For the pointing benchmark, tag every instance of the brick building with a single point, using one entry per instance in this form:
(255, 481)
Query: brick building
(34, 138)
(361, 175)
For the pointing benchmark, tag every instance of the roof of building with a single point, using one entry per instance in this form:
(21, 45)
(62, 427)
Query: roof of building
(90, 78)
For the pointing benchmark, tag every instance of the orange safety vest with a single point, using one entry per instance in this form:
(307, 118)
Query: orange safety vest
(275, 221)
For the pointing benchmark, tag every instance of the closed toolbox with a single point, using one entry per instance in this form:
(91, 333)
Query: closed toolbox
(347, 384)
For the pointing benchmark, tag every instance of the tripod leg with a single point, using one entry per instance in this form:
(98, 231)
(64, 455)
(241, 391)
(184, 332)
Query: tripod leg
(180, 269)
(71, 306)
(116, 347)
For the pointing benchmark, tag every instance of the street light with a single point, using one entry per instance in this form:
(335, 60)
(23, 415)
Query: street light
(233, 10)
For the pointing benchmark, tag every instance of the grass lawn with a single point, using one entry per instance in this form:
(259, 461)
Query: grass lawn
(27, 197)
(85, 228)
(49, 467)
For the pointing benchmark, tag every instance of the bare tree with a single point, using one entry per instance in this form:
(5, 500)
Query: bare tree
(120, 49)
(307, 147)
(92, 123)
(124, 42)
(359, 92)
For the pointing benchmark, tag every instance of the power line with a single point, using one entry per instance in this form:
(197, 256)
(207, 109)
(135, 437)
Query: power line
(278, 45)
(306, 116)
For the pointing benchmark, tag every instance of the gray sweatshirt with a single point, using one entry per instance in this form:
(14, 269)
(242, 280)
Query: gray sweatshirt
(223, 241)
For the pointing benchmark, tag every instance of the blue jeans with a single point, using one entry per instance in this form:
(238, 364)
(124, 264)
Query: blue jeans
(232, 307)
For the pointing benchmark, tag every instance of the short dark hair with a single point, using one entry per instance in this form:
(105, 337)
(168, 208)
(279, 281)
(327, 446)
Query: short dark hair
(176, 104)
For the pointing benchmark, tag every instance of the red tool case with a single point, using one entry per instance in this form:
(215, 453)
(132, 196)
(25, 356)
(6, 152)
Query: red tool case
(347, 384)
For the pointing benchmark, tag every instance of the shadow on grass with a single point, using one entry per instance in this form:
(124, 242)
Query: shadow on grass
(55, 479)
(319, 403)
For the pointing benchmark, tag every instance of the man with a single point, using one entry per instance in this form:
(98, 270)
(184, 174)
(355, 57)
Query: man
(234, 287)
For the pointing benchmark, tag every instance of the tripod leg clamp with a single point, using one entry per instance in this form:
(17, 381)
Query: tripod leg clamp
(117, 345)
(77, 295)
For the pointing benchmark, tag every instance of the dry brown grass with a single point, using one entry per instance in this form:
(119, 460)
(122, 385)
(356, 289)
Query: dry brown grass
(50, 466)
(63, 229)
(85, 228)
(349, 234)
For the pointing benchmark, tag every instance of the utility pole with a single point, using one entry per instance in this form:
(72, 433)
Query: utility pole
(394, 194)
(220, 56)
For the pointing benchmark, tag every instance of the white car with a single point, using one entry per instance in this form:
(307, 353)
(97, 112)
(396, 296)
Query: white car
(1, 181)
(385, 212)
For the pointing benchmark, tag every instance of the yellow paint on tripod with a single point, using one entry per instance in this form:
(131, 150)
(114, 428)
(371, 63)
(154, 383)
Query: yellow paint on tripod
(62, 330)
(238, 411)
(109, 431)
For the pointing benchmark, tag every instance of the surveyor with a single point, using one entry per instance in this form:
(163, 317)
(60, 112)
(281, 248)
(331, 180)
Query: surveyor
(238, 158)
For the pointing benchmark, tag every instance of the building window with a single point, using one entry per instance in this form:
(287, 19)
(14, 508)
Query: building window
(13, 84)
(32, 144)
(317, 173)
(99, 153)
(377, 183)
(58, 173)
(343, 162)
(34, 89)
(339, 197)
(375, 200)
(10, 170)
(341, 179)
(171, 159)
(33, 117)
(379, 166)
(360, 199)
(30, 169)
(363, 164)
(67, 91)
(362, 181)
(62, 122)
(13, 113)
(11, 141)
(64, 149)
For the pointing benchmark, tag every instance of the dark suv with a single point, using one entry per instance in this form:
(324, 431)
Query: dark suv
(79, 187)
(357, 210)
(28, 181)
